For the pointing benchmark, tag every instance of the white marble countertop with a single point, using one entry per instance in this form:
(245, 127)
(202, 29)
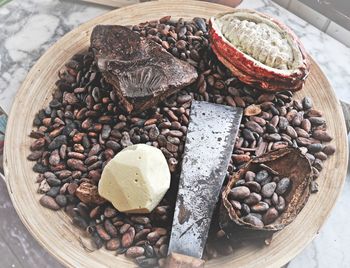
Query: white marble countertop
(29, 27)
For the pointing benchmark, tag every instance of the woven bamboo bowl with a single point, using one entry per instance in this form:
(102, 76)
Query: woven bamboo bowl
(70, 246)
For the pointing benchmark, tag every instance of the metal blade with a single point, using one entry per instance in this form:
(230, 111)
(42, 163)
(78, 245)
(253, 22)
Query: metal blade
(209, 143)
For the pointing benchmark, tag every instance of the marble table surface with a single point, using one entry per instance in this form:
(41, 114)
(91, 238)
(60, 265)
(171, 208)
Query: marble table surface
(29, 27)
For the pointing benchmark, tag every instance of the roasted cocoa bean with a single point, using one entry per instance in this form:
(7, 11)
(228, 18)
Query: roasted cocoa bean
(128, 237)
(270, 216)
(49, 202)
(113, 244)
(283, 185)
(252, 199)
(321, 135)
(259, 207)
(329, 149)
(268, 189)
(109, 227)
(253, 220)
(102, 232)
(239, 192)
(253, 186)
(249, 176)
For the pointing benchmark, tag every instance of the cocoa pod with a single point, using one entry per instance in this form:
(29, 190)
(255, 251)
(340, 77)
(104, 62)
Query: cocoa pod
(288, 163)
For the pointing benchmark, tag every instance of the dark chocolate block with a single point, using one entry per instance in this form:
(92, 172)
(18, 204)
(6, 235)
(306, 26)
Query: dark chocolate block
(140, 70)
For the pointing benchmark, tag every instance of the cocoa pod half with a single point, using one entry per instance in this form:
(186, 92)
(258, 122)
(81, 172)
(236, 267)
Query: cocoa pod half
(288, 162)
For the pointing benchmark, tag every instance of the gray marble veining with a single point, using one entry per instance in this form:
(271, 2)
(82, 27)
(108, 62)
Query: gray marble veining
(29, 27)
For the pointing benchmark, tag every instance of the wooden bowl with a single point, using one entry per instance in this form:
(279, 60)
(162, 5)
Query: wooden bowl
(54, 229)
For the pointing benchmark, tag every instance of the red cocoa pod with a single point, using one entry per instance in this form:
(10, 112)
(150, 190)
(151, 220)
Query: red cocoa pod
(252, 71)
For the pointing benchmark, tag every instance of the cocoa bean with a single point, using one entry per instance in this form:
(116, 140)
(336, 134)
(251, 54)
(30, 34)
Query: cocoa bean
(253, 220)
(53, 181)
(109, 227)
(253, 186)
(260, 207)
(140, 219)
(240, 158)
(245, 210)
(281, 204)
(163, 250)
(315, 148)
(307, 103)
(149, 251)
(268, 189)
(314, 113)
(318, 164)
(239, 192)
(329, 149)
(252, 199)
(283, 186)
(76, 164)
(57, 142)
(102, 232)
(314, 187)
(54, 191)
(306, 125)
(38, 144)
(261, 176)
(321, 135)
(255, 127)
(49, 202)
(61, 200)
(113, 244)
(235, 204)
(35, 155)
(142, 234)
(153, 237)
(322, 156)
(279, 145)
(76, 155)
(290, 131)
(317, 121)
(128, 237)
(274, 199)
(301, 132)
(249, 176)
(259, 120)
(270, 216)
(273, 137)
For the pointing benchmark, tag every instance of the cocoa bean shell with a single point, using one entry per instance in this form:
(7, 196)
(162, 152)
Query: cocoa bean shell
(288, 162)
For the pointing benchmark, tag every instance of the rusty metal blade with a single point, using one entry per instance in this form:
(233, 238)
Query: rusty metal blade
(209, 143)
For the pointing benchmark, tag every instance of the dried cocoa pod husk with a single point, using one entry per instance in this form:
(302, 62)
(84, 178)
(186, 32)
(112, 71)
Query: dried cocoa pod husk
(288, 162)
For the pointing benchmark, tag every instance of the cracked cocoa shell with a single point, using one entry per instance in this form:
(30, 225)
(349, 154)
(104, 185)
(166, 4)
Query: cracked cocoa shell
(288, 162)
